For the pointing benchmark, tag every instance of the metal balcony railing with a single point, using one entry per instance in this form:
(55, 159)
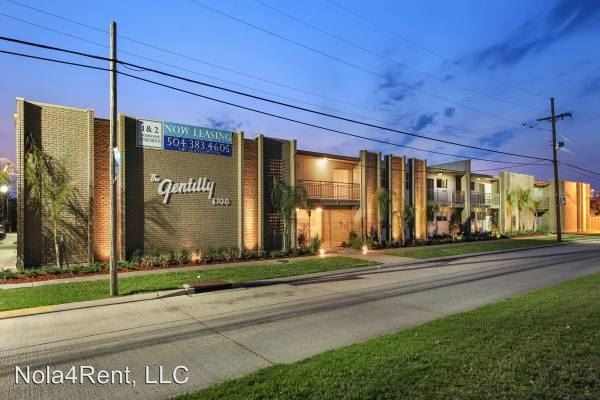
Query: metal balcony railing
(330, 190)
(479, 199)
(446, 197)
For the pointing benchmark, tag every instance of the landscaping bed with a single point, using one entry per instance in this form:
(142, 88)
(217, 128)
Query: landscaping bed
(542, 345)
(140, 262)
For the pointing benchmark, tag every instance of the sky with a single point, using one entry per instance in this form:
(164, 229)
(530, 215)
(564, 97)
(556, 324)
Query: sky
(472, 72)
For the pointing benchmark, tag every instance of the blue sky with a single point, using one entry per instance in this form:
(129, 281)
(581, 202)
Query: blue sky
(466, 71)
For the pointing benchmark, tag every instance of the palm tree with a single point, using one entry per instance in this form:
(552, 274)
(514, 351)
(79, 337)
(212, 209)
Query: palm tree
(511, 202)
(50, 187)
(6, 170)
(285, 200)
(523, 203)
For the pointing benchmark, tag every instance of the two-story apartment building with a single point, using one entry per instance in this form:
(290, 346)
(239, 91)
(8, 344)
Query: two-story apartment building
(187, 186)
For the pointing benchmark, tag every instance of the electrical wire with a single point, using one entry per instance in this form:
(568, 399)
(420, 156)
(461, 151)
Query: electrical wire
(163, 73)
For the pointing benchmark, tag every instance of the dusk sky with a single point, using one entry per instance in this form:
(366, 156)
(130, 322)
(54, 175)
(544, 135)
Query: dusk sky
(467, 71)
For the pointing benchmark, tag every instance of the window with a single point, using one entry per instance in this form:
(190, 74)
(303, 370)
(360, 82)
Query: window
(441, 183)
(429, 184)
(458, 183)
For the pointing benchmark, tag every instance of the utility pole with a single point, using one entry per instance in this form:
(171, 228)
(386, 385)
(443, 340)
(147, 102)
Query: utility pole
(114, 287)
(555, 146)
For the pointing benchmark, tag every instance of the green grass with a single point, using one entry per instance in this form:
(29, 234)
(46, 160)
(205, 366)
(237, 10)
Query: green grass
(542, 345)
(476, 247)
(12, 299)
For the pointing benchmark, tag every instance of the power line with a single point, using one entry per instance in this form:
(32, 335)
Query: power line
(342, 61)
(259, 111)
(47, 47)
(388, 59)
(579, 168)
(383, 28)
(226, 81)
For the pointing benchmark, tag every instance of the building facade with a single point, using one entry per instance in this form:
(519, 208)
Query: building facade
(182, 186)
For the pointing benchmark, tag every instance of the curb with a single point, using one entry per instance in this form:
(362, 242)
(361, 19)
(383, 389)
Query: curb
(246, 285)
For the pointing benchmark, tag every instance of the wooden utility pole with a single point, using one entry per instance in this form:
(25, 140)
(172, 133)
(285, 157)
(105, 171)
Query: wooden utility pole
(114, 287)
(555, 146)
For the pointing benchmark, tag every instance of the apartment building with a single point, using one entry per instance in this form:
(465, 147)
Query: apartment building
(186, 186)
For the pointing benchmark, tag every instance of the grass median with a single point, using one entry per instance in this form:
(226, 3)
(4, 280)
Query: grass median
(542, 345)
(455, 249)
(12, 299)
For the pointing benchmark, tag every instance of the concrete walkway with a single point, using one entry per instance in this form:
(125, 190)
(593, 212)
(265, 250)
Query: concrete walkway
(223, 335)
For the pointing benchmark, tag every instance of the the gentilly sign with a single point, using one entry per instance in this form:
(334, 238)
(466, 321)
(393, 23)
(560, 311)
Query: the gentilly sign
(167, 187)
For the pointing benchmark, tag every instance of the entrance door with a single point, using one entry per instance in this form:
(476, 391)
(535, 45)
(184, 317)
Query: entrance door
(337, 225)
(341, 179)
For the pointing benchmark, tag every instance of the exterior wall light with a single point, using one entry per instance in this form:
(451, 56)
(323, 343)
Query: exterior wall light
(322, 252)
(319, 209)
(365, 249)
(322, 162)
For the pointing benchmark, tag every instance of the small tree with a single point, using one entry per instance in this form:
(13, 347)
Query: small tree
(49, 186)
(406, 218)
(6, 169)
(383, 203)
(285, 200)
(454, 225)
(432, 209)
(511, 202)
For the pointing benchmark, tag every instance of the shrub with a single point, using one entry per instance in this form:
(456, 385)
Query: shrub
(7, 274)
(137, 256)
(302, 239)
(277, 254)
(354, 240)
(182, 256)
(315, 243)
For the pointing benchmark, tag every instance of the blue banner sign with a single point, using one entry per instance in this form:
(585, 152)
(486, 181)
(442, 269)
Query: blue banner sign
(196, 139)
(197, 132)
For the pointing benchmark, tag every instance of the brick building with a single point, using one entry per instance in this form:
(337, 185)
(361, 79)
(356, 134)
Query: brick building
(182, 186)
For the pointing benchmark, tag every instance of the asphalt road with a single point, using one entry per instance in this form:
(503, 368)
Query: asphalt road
(228, 334)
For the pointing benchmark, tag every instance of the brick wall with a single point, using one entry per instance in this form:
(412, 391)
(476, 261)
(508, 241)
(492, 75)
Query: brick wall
(420, 192)
(65, 134)
(397, 195)
(100, 203)
(250, 194)
(189, 220)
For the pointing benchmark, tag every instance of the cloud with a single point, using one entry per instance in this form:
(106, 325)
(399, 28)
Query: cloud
(449, 111)
(564, 19)
(423, 121)
(394, 90)
(497, 139)
(226, 124)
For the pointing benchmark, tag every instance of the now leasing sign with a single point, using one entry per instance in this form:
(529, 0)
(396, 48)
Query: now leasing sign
(185, 138)
(195, 139)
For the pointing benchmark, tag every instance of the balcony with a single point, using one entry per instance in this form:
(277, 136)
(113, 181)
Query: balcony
(483, 200)
(320, 190)
(445, 197)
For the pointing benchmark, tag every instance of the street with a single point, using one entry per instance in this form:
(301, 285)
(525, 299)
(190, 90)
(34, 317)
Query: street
(222, 335)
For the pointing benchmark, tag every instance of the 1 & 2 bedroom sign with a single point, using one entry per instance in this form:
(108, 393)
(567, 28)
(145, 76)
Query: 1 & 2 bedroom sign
(186, 138)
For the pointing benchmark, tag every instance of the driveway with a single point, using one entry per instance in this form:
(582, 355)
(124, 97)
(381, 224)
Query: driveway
(223, 335)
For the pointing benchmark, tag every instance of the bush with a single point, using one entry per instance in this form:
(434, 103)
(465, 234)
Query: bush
(302, 239)
(277, 254)
(136, 257)
(315, 243)
(182, 256)
(7, 274)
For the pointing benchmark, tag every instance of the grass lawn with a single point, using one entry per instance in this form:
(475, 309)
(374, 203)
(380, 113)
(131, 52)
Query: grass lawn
(12, 299)
(476, 247)
(542, 345)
